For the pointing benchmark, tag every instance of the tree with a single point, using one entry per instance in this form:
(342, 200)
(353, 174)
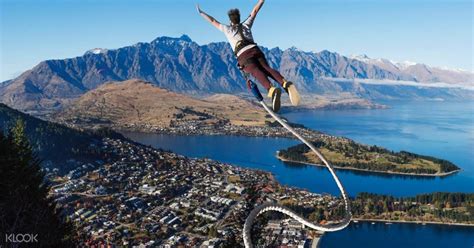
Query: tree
(212, 232)
(24, 205)
(231, 242)
(316, 216)
(20, 140)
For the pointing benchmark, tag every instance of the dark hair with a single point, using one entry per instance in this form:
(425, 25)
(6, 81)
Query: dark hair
(233, 12)
(234, 16)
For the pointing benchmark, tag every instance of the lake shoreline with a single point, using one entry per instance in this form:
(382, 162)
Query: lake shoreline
(372, 171)
(412, 222)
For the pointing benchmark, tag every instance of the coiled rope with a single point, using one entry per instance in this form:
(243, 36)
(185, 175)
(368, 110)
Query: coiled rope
(274, 207)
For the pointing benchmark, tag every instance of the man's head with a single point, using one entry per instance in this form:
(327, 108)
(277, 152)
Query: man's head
(234, 16)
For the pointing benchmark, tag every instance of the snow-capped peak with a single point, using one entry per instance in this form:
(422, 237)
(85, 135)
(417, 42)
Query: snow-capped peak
(405, 64)
(96, 51)
(359, 56)
(366, 59)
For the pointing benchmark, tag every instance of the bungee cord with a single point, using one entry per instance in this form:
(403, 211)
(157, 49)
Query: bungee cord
(275, 207)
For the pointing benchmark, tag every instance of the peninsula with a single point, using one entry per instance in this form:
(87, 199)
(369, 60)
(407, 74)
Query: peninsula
(344, 153)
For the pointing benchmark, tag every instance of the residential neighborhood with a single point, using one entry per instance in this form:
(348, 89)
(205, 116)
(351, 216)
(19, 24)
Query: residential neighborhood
(139, 196)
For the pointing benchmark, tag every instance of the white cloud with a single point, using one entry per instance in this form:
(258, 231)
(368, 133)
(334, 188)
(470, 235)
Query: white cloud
(464, 85)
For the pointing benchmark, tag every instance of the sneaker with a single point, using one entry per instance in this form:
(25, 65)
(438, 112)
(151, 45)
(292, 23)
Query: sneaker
(275, 94)
(290, 88)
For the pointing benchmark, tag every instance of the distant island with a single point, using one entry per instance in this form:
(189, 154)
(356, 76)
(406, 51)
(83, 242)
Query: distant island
(344, 153)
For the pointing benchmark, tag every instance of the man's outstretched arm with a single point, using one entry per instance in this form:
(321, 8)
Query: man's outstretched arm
(208, 18)
(257, 8)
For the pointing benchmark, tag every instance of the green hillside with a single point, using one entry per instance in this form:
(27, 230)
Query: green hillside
(55, 144)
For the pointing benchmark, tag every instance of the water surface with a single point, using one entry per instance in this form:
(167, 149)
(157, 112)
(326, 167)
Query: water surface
(440, 129)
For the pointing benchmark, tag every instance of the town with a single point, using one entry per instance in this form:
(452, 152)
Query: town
(183, 124)
(141, 196)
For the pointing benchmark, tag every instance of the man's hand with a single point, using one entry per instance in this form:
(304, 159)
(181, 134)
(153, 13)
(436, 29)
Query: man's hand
(257, 8)
(208, 18)
(198, 9)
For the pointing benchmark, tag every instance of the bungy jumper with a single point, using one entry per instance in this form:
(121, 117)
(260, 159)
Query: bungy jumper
(251, 61)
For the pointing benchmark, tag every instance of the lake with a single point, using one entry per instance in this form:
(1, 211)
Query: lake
(367, 235)
(441, 129)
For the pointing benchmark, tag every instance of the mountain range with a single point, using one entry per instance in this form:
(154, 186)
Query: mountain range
(419, 72)
(181, 65)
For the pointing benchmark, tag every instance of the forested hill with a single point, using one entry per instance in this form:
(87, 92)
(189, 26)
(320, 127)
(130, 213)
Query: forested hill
(435, 207)
(347, 154)
(55, 144)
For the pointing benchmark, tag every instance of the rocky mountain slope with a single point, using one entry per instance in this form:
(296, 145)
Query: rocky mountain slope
(181, 65)
(135, 103)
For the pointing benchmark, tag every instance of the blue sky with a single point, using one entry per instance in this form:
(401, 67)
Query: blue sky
(435, 32)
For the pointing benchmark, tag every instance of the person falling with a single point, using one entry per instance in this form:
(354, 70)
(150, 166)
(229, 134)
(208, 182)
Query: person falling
(249, 56)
